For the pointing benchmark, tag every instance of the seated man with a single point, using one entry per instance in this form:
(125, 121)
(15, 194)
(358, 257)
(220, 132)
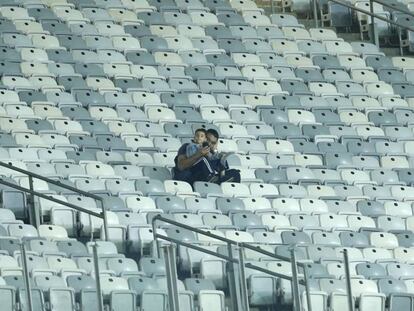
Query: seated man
(200, 161)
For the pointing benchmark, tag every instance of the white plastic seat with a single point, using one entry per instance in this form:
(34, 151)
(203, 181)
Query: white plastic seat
(322, 89)
(383, 240)
(121, 15)
(322, 34)
(236, 190)
(356, 222)
(109, 29)
(297, 116)
(204, 18)
(404, 63)
(15, 13)
(283, 46)
(364, 75)
(191, 31)
(340, 48)
(351, 62)
(168, 58)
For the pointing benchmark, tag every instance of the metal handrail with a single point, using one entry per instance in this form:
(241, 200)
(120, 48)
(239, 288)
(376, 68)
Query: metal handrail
(217, 237)
(387, 5)
(350, 6)
(295, 279)
(372, 15)
(33, 192)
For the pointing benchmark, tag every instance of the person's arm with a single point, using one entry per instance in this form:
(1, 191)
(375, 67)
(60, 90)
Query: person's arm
(184, 162)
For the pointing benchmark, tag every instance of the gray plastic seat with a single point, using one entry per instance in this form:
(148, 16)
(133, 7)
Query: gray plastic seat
(231, 19)
(333, 160)
(205, 188)
(137, 31)
(219, 32)
(7, 140)
(405, 90)
(326, 62)
(141, 283)
(41, 13)
(76, 113)
(305, 146)
(72, 248)
(152, 266)
(9, 54)
(151, 18)
(273, 116)
(178, 129)
(286, 101)
(156, 172)
(312, 130)
(309, 75)
(370, 270)
(361, 147)
(141, 58)
(287, 130)
(389, 286)
(10, 68)
(70, 82)
(378, 61)
(244, 221)
(380, 118)
(77, 156)
(154, 43)
(58, 29)
(147, 186)
(199, 72)
(331, 147)
(94, 127)
(72, 42)
(81, 282)
(371, 208)
(354, 239)
(406, 175)
(89, 98)
(333, 75)
(7, 26)
(316, 270)
(170, 204)
(294, 86)
(295, 237)
(405, 239)
(220, 60)
(256, 46)
(391, 75)
(59, 55)
(127, 84)
(282, 72)
(311, 47)
(89, 70)
(326, 116)
(111, 143)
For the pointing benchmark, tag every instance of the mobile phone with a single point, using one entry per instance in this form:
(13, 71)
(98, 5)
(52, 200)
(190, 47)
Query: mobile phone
(205, 144)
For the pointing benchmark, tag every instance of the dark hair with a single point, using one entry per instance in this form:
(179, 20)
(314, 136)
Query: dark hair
(200, 130)
(213, 132)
